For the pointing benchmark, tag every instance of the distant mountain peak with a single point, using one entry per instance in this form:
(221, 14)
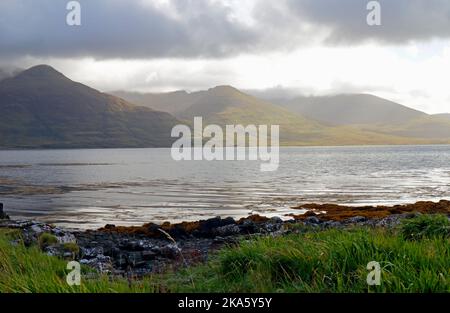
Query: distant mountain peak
(224, 88)
(40, 71)
(40, 107)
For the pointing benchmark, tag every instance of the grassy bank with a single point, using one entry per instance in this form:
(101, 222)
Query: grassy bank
(29, 270)
(414, 258)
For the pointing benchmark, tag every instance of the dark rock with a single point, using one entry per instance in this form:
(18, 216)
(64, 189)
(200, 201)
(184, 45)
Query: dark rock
(356, 220)
(206, 227)
(149, 255)
(90, 253)
(153, 229)
(3, 215)
(249, 227)
(132, 245)
(171, 251)
(219, 240)
(102, 263)
(273, 225)
(332, 224)
(135, 259)
(390, 221)
(276, 220)
(227, 230)
(312, 220)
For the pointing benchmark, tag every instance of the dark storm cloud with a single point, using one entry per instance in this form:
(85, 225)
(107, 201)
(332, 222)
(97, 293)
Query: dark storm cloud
(119, 28)
(200, 28)
(401, 20)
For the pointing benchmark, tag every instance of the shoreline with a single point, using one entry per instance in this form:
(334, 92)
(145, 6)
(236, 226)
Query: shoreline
(442, 143)
(157, 248)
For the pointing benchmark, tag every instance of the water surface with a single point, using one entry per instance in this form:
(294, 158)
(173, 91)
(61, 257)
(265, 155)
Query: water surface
(90, 188)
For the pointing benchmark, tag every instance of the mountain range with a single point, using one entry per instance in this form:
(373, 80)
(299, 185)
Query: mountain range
(42, 108)
(345, 119)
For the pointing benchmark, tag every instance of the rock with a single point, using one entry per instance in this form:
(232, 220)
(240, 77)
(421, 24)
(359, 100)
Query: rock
(132, 245)
(171, 251)
(219, 240)
(249, 227)
(206, 228)
(276, 220)
(90, 253)
(3, 215)
(149, 255)
(332, 224)
(389, 221)
(36, 229)
(273, 225)
(102, 263)
(53, 251)
(66, 238)
(356, 220)
(228, 230)
(312, 220)
(135, 259)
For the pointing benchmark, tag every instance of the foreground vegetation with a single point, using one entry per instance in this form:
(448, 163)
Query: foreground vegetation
(414, 258)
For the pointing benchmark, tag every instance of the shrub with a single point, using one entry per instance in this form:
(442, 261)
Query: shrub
(426, 226)
(71, 247)
(46, 239)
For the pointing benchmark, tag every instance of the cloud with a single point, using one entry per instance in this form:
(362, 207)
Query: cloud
(402, 21)
(121, 29)
(9, 71)
(144, 29)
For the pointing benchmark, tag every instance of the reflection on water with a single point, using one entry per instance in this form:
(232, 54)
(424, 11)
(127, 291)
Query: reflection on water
(90, 188)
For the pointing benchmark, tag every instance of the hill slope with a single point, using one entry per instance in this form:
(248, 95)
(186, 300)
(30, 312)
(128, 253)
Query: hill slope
(351, 109)
(443, 115)
(373, 114)
(226, 105)
(40, 107)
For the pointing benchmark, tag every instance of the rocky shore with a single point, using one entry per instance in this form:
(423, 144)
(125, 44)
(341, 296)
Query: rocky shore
(151, 248)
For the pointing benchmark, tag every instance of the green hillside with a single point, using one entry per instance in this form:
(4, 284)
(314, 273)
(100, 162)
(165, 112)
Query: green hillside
(224, 105)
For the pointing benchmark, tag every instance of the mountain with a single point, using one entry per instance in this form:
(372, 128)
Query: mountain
(429, 126)
(351, 109)
(171, 102)
(372, 114)
(41, 108)
(224, 105)
(442, 115)
(8, 72)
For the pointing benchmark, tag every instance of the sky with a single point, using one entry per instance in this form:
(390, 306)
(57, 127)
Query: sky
(311, 47)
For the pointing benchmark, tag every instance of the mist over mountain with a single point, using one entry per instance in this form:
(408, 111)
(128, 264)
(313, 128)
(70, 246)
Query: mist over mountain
(348, 109)
(40, 107)
(8, 72)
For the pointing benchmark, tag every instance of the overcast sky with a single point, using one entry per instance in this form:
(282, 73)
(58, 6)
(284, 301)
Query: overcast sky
(304, 46)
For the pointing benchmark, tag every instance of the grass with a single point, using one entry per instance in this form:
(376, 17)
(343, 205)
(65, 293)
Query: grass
(71, 247)
(306, 261)
(328, 261)
(46, 239)
(426, 226)
(29, 270)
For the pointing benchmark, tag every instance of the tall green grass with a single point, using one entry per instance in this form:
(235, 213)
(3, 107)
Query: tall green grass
(307, 261)
(426, 226)
(26, 270)
(328, 261)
